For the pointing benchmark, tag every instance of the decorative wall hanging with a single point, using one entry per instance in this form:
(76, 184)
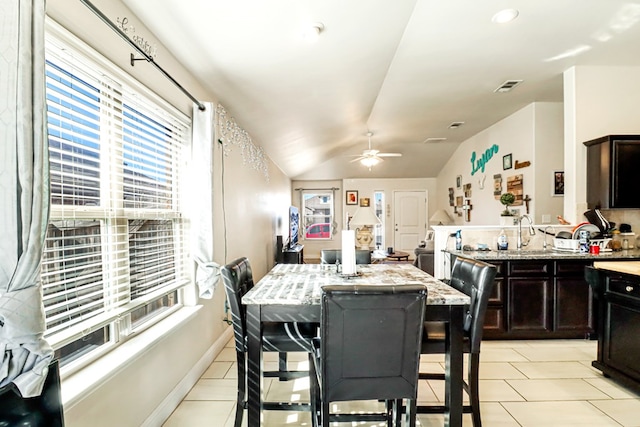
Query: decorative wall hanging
(506, 162)
(479, 163)
(520, 165)
(230, 134)
(558, 183)
(514, 186)
(467, 190)
(459, 182)
(451, 203)
(466, 207)
(481, 181)
(352, 197)
(527, 199)
(364, 202)
(497, 186)
(457, 209)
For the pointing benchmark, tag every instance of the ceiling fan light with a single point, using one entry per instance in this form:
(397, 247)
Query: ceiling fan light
(370, 161)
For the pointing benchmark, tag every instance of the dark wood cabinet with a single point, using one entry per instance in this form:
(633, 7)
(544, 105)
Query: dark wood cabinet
(574, 310)
(494, 319)
(529, 288)
(619, 327)
(293, 255)
(612, 170)
(540, 299)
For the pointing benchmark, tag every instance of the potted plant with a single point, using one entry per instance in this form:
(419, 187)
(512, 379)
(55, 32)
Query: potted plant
(507, 199)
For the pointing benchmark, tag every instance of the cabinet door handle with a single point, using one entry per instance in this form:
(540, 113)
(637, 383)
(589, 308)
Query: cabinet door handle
(629, 288)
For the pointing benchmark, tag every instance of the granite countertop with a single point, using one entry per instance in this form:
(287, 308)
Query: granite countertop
(628, 267)
(533, 254)
(301, 284)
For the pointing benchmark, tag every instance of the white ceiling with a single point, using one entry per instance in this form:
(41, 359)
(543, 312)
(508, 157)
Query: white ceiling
(403, 69)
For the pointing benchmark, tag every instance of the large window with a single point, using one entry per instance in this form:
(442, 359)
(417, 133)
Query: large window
(115, 251)
(317, 208)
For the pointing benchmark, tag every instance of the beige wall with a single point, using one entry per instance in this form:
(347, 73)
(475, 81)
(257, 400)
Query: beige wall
(532, 134)
(249, 212)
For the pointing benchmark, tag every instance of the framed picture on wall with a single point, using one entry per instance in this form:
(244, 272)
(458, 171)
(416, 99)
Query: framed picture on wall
(364, 202)
(459, 182)
(558, 183)
(507, 162)
(352, 197)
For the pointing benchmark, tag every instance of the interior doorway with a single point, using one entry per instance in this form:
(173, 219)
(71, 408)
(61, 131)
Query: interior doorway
(410, 219)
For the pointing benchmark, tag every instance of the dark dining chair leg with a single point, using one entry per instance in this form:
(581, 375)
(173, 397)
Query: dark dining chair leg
(325, 413)
(240, 401)
(282, 366)
(313, 391)
(454, 368)
(473, 389)
(412, 412)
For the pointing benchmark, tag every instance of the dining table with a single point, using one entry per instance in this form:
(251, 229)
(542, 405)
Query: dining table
(292, 293)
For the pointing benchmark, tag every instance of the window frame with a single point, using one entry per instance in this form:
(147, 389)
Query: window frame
(116, 321)
(308, 216)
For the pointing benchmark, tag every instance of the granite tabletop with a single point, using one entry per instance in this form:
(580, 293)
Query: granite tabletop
(300, 284)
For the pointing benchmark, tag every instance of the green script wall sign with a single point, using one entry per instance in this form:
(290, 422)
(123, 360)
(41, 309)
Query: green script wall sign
(479, 163)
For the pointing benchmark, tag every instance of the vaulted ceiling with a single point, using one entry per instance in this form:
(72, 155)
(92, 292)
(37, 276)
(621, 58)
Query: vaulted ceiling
(403, 69)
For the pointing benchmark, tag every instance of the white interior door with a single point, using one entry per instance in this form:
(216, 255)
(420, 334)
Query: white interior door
(410, 219)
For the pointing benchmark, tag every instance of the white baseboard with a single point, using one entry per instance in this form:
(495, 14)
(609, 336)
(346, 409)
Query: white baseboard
(171, 402)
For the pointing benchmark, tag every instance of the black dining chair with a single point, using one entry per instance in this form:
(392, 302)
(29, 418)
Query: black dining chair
(475, 279)
(369, 349)
(276, 337)
(44, 410)
(330, 256)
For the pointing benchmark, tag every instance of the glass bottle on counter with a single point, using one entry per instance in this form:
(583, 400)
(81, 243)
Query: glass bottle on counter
(459, 240)
(616, 241)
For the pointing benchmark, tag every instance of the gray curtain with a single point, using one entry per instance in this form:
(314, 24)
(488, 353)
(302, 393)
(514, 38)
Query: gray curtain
(24, 195)
(207, 271)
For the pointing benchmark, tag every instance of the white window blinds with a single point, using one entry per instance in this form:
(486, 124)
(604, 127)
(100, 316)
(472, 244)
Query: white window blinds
(116, 238)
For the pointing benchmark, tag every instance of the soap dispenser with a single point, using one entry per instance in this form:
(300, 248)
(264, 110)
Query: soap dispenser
(503, 241)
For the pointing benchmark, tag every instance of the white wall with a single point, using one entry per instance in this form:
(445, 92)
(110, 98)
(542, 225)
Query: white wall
(598, 101)
(531, 134)
(249, 211)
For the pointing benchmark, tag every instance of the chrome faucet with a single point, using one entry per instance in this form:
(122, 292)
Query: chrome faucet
(544, 244)
(520, 243)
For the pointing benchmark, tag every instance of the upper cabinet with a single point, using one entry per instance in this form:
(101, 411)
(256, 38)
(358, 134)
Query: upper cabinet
(613, 169)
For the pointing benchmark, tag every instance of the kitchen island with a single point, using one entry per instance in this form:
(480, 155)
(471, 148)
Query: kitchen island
(617, 287)
(541, 294)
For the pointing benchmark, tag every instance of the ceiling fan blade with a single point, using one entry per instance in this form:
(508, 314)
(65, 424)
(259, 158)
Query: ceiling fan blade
(357, 159)
(389, 154)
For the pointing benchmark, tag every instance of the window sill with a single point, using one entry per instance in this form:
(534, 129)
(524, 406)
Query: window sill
(81, 382)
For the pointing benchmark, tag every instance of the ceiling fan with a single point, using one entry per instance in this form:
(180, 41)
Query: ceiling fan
(371, 157)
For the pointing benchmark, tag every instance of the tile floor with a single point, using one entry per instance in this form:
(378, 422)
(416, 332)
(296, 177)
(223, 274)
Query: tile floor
(522, 383)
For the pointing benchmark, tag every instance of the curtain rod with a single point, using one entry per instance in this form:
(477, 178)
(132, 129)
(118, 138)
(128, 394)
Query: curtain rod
(305, 189)
(111, 25)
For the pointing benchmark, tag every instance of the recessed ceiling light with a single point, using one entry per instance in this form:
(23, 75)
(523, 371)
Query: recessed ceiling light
(435, 139)
(504, 16)
(455, 125)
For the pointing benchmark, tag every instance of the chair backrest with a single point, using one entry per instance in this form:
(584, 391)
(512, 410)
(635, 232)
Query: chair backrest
(474, 278)
(330, 256)
(238, 280)
(370, 339)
